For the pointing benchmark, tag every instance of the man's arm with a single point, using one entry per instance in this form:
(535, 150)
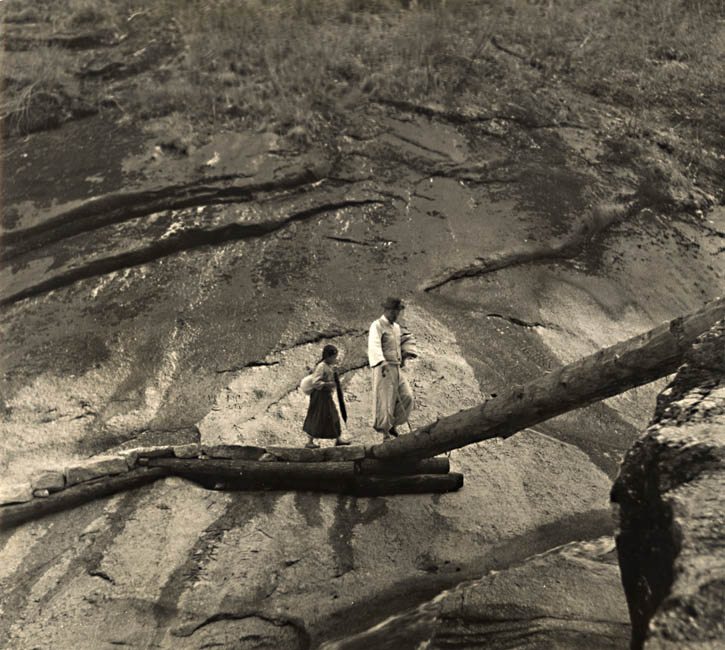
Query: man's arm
(375, 345)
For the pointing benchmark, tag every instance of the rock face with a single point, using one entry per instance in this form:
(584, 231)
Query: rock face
(155, 296)
(568, 598)
(671, 498)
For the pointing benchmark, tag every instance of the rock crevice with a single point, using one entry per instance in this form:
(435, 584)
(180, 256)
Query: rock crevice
(670, 499)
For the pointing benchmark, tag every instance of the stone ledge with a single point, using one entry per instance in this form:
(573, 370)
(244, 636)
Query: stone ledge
(304, 455)
(51, 480)
(48, 481)
(96, 468)
(190, 450)
(238, 452)
(15, 493)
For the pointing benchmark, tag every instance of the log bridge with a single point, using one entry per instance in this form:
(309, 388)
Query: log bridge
(405, 465)
(342, 470)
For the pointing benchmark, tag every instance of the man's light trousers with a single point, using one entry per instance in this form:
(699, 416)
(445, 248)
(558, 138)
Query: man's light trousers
(392, 397)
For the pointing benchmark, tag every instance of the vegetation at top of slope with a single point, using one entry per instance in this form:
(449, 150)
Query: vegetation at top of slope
(298, 66)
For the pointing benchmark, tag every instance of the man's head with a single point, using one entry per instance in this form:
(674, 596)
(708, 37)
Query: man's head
(392, 308)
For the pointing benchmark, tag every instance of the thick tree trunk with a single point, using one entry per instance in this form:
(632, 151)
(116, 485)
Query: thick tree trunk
(608, 372)
(378, 486)
(254, 470)
(76, 495)
(336, 477)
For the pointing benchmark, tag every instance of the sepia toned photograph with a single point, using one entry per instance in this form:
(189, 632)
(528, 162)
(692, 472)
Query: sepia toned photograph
(362, 324)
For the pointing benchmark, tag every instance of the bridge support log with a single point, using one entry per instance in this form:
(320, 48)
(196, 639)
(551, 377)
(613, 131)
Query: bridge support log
(403, 466)
(252, 475)
(378, 486)
(340, 478)
(76, 495)
(610, 371)
(255, 470)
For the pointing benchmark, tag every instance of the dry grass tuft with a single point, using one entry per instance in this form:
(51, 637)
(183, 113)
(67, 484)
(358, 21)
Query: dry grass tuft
(38, 85)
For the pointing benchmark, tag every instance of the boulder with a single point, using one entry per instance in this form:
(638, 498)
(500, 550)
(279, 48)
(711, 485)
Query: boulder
(568, 599)
(672, 509)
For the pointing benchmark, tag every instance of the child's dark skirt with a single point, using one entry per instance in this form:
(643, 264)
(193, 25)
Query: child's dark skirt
(322, 420)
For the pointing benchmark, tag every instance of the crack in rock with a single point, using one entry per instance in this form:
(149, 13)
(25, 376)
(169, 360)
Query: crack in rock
(182, 241)
(458, 117)
(433, 111)
(522, 323)
(415, 143)
(118, 208)
(373, 244)
(348, 240)
(295, 623)
(340, 373)
(506, 259)
(251, 364)
(568, 249)
(315, 337)
(100, 574)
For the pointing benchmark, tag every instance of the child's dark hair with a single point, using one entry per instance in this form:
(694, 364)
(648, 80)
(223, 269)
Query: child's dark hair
(328, 351)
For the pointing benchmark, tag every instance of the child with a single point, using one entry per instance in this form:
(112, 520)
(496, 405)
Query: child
(322, 420)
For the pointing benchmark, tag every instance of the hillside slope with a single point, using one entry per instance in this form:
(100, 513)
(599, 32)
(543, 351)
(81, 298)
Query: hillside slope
(171, 271)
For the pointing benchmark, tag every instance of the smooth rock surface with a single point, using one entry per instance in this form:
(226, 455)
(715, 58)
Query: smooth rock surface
(570, 597)
(181, 299)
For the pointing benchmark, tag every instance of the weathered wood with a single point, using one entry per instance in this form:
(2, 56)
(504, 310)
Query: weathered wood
(75, 495)
(403, 466)
(361, 485)
(376, 486)
(333, 485)
(223, 468)
(340, 477)
(638, 360)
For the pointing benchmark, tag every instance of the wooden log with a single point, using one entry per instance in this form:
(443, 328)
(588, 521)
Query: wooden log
(255, 470)
(361, 485)
(331, 485)
(610, 371)
(335, 477)
(75, 495)
(403, 466)
(377, 486)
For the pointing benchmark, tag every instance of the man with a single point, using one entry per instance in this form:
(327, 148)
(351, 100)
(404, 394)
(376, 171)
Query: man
(392, 397)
